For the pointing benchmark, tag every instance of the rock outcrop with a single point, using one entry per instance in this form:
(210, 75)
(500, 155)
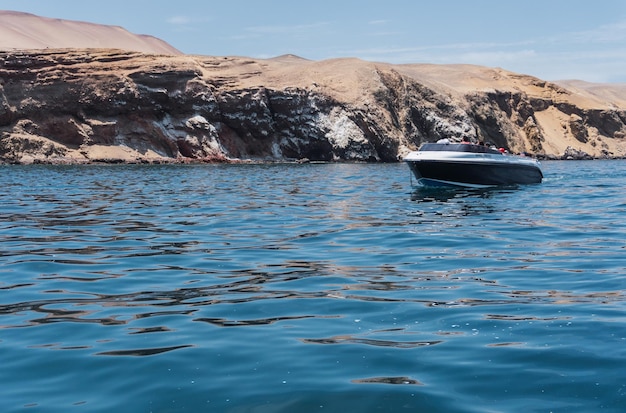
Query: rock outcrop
(107, 105)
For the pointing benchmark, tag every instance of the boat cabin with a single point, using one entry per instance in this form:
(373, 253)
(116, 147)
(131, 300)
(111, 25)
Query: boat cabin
(458, 147)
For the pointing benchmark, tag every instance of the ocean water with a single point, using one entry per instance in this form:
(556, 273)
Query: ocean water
(310, 288)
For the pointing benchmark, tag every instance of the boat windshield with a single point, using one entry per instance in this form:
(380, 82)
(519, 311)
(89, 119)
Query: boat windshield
(458, 147)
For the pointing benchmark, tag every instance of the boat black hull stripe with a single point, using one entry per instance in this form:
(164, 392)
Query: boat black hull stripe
(476, 174)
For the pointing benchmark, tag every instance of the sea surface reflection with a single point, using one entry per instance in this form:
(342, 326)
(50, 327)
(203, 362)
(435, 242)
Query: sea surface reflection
(323, 287)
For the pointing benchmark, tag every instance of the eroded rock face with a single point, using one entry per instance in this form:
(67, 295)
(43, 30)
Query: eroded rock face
(74, 106)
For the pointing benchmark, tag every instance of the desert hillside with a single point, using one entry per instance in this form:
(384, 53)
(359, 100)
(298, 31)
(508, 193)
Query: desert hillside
(89, 103)
(28, 31)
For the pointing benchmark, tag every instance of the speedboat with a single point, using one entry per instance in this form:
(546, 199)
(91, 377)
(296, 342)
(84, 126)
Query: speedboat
(469, 165)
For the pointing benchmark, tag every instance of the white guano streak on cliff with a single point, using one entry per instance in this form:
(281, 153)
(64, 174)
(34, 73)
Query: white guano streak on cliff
(342, 131)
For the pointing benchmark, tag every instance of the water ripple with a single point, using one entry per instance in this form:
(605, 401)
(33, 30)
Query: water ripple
(370, 342)
(141, 352)
(290, 287)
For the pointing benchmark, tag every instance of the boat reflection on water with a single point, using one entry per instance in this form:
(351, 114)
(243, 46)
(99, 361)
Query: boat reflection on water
(463, 202)
(445, 194)
(422, 193)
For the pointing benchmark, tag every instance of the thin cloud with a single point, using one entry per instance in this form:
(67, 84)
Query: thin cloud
(454, 51)
(179, 20)
(186, 20)
(614, 33)
(496, 57)
(609, 33)
(186, 24)
(299, 28)
(380, 33)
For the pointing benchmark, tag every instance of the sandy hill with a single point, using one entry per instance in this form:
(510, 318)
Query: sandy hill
(28, 31)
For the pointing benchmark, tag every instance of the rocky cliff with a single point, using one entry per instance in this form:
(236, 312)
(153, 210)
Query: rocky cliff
(108, 105)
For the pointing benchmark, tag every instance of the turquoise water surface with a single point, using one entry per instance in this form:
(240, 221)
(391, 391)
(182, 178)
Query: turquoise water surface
(310, 288)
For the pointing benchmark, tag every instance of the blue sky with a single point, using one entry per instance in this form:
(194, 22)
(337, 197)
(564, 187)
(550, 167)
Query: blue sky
(550, 39)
